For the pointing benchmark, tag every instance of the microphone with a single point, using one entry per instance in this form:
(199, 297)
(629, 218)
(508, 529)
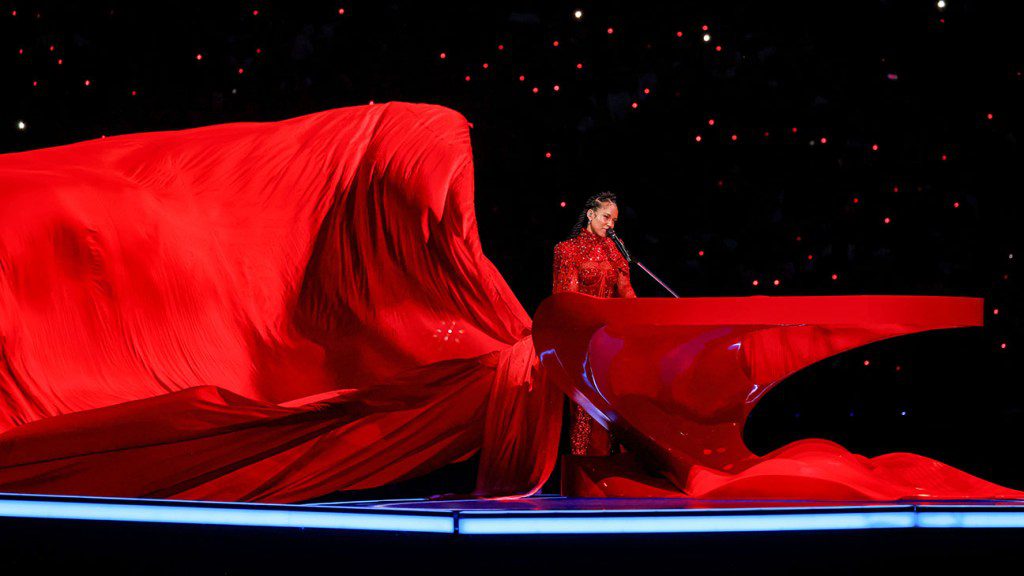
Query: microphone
(640, 265)
(620, 245)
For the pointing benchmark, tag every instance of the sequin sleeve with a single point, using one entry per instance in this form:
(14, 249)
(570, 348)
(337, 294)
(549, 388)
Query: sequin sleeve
(622, 285)
(566, 271)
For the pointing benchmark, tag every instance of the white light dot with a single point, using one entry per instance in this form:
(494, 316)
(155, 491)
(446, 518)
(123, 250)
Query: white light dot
(941, 4)
(578, 14)
(707, 37)
(21, 125)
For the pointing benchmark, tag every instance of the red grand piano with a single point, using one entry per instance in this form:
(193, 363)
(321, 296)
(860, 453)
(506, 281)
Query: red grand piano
(677, 378)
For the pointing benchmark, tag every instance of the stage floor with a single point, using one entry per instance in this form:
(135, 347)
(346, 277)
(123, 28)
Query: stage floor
(537, 515)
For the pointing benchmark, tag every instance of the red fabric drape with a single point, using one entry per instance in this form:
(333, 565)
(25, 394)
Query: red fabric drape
(260, 311)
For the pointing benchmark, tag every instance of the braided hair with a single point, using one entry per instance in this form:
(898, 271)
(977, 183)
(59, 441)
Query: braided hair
(592, 203)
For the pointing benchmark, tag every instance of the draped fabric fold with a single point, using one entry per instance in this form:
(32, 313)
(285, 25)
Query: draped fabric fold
(522, 401)
(260, 311)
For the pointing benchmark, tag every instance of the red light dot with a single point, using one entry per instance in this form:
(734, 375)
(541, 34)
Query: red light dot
(255, 12)
(35, 83)
(611, 30)
(995, 311)
(835, 276)
(87, 83)
(467, 78)
(14, 12)
(679, 34)
(989, 116)
(522, 78)
(711, 122)
(21, 50)
(734, 137)
(258, 51)
(874, 147)
(856, 200)
(698, 138)
(755, 282)
(134, 93)
(700, 253)
(52, 47)
(647, 90)
(867, 362)
(765, 134)
(486, 65)
(824, 140)
(776, 282)
(579, 65)
(794, 129)
(60, 61)
(199, 56)
(798, 238)
(956, 204)
(443, 55)
(898, 368)
(241, 70)
(634, 105)
(810, 256)
(501, 47)
(555, 43)
(562, 204)
(704, 27)
(547, 154)
(556, 87)
(887, 220)
(895, 189)
(341, 10)
(536, 90)
(1003, 345)
(718, 48)
(944, 157)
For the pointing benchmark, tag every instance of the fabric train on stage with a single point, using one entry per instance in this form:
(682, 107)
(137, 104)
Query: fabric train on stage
(262, 311)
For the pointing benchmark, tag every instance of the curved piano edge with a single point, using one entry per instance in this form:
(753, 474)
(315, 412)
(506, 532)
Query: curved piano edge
(565, 323)
(936, 311)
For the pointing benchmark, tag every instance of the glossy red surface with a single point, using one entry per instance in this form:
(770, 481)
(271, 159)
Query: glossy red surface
(678, 379)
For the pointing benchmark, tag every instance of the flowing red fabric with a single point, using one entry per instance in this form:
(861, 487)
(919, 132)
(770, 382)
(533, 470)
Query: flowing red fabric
(260, 311)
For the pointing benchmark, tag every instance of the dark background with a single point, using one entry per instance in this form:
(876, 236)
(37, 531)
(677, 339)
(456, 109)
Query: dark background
(800, 195)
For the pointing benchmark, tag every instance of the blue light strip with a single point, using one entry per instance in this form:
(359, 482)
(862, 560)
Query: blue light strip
(969, 519)
(685, 523)
(228, 516)
(482, 522)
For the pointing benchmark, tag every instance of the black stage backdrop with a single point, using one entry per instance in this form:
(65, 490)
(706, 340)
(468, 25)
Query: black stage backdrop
(758, 148)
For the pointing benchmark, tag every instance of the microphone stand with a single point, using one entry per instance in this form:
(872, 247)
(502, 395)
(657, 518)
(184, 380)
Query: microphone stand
(630, 260)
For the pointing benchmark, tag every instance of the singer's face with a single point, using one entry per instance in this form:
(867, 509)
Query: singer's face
(603, 218)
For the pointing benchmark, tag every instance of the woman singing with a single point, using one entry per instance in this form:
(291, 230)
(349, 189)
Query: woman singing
(588, 262)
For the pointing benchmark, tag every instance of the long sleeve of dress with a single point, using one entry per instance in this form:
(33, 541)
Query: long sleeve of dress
(566, 272)
(622, 285)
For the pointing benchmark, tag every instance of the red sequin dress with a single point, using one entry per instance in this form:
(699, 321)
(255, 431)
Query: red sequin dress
(592, 265)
